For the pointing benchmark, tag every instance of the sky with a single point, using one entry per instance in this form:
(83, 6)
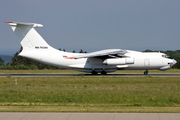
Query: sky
(94, 25)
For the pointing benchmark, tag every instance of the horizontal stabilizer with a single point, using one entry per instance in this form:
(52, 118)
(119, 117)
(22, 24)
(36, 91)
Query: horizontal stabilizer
(23, 24)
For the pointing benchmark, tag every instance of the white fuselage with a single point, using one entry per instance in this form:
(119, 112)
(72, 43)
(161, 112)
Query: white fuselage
(138, 61)
(36, 48)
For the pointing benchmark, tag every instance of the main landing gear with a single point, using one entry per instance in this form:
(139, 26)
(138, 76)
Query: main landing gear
(103, 73)
(146, 72)
(94, 72)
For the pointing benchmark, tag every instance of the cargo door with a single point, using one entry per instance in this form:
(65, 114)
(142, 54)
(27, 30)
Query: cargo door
(146, 62)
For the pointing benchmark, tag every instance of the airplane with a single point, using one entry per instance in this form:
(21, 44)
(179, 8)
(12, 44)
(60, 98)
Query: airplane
(104, 61)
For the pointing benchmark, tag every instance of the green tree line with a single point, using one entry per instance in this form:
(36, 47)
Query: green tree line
(22, 63)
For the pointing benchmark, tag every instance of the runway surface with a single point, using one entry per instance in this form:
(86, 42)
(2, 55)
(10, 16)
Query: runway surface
(121, 74)
(89, 116)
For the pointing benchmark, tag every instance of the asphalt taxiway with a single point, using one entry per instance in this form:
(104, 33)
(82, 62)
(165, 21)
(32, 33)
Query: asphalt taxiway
(120, 74)
(88, 116)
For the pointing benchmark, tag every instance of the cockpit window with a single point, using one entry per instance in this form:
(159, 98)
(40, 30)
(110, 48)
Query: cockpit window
(166, 56)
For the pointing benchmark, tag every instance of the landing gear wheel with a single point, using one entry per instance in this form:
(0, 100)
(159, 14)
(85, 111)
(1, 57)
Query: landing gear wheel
(94, 72)
(103, 73)
(146, 72)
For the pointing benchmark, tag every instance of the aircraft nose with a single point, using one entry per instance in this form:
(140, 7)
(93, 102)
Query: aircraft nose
(174, 61)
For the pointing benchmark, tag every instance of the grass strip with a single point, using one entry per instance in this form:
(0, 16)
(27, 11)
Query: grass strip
(89, 109)
(90, 94)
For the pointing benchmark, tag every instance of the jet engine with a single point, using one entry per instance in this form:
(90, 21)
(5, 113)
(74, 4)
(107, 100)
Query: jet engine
(118, 61)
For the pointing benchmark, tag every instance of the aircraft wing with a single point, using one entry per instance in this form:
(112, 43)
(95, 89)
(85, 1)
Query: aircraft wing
(109, 53)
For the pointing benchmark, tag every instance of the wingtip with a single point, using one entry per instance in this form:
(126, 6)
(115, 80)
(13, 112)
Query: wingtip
(8, 21)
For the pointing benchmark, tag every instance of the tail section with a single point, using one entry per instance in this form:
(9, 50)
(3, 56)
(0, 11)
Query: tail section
(28, 36)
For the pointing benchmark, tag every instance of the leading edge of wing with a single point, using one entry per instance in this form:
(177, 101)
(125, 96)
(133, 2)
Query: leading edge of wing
(102, 53)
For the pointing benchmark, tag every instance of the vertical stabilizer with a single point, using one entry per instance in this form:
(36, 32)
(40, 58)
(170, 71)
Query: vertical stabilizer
(28, 36)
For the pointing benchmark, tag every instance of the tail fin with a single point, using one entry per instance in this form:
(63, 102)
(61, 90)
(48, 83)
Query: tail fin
(28, 36)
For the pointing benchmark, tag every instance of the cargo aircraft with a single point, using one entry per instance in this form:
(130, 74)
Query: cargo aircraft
(104, 61)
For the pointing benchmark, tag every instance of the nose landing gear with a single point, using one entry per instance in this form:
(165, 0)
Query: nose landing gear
(146, 72)
(103, 73)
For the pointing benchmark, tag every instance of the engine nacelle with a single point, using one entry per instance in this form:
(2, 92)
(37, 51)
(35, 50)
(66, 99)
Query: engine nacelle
(118, 61)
